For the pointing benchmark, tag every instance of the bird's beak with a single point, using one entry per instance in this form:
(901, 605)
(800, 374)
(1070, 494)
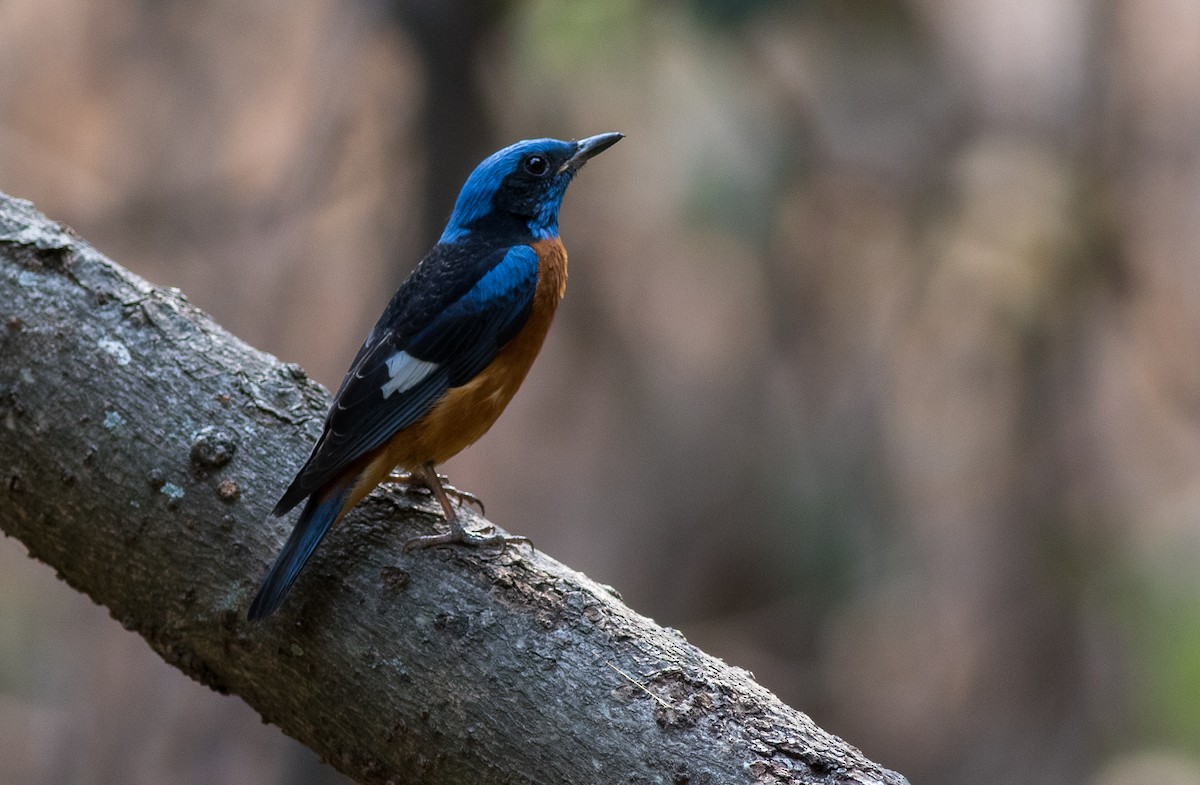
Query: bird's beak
(587, 148)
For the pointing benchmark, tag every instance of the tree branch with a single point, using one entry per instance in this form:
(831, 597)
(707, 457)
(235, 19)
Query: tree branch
(142, 447)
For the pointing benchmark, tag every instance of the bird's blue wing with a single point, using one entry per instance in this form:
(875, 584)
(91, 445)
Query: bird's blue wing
(466, 335)
(415, 354)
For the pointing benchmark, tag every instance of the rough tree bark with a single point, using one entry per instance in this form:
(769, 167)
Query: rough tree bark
(141, 448)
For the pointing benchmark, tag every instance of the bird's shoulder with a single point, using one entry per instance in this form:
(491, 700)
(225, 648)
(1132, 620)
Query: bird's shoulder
(443, 277)
(458, 289)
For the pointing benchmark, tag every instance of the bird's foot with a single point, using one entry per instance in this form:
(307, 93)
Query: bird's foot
(461, 536)
(457, 535)
(414, 482)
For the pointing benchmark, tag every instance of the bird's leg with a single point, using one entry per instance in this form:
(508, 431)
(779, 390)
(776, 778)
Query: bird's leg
(457, 534)
(400, 477)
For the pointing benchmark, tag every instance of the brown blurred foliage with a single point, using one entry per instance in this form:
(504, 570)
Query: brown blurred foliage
(877, 374)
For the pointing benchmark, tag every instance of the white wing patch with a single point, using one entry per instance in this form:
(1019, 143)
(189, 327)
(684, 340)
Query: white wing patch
(405, 372)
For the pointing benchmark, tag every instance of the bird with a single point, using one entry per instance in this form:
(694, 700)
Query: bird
(446, 356)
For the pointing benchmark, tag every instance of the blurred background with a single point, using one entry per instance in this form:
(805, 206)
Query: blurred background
(877, 373)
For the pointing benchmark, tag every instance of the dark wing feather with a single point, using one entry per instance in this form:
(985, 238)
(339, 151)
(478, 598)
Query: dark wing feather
(458, 340)
(466, 335)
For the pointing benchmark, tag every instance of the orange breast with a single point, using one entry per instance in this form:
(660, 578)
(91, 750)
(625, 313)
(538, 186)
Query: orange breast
(465, 413)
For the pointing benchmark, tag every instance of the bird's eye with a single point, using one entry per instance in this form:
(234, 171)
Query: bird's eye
(536, 165)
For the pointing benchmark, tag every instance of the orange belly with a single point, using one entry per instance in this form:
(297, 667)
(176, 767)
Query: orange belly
(466, 413)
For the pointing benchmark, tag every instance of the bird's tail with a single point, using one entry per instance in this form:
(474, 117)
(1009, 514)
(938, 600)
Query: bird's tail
(321, 512)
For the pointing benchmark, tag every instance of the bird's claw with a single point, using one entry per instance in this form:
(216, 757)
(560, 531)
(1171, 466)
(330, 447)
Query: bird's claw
(464, 497)
(460, 536)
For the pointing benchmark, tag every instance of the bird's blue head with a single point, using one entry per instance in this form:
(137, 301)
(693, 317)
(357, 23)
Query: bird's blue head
(519, 189)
